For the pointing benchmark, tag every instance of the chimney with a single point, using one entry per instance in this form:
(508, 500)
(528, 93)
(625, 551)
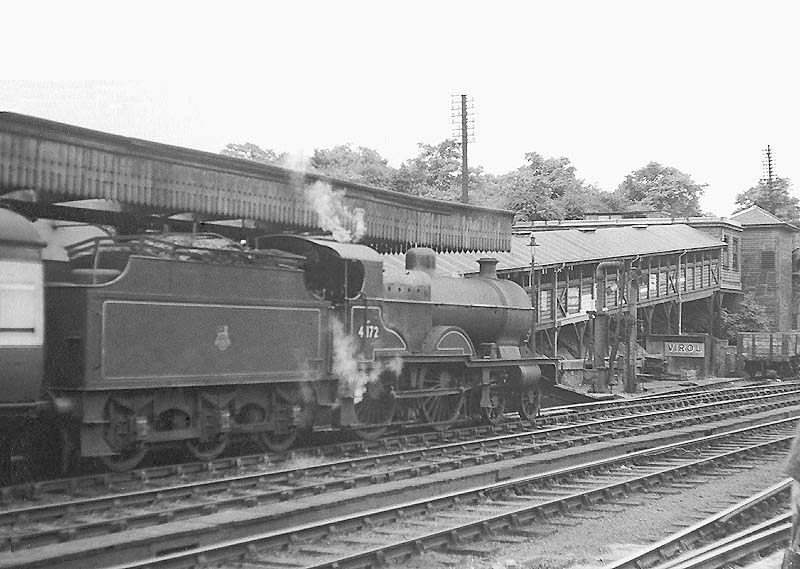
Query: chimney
(488, 268)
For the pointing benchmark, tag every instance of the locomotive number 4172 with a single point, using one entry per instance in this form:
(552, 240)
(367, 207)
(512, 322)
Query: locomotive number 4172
(368, 331)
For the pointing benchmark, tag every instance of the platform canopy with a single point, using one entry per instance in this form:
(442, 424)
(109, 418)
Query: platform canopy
(57, 163)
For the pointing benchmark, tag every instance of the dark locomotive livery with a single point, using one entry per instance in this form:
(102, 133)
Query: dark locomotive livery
(143, 341)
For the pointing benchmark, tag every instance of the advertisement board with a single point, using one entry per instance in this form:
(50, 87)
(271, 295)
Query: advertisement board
(685, 349)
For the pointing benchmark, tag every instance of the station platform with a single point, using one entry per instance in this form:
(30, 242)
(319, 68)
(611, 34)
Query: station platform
(559, 395)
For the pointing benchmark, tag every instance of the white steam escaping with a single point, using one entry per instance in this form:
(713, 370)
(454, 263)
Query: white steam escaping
(345, 225)
(353, 379)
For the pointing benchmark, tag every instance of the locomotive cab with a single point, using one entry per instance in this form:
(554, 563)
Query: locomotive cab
(334, 271)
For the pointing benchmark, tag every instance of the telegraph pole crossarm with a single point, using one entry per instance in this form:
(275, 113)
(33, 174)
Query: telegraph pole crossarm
(466, 131)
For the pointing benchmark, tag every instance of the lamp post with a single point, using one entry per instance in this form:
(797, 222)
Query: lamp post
(631, 345)
(534, 291)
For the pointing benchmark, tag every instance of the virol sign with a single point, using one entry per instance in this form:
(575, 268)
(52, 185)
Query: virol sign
(685, 349)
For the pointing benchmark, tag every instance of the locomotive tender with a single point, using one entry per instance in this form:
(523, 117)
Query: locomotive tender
(151, 340)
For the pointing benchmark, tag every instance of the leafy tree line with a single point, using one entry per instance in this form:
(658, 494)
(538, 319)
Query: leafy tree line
(540, 189)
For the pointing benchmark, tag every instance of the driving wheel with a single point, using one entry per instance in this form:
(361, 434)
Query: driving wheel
(441, 410)
(207, 450)
(530, 403)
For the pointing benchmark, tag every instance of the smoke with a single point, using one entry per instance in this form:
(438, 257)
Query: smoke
(345, 224)
(354, 378)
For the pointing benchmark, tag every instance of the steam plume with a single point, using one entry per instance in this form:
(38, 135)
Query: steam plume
(353, 378)
(345, 225)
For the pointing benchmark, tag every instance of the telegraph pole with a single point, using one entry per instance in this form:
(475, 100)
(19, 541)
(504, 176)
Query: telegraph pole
(768, 165)
(463, 115)
(464, 169)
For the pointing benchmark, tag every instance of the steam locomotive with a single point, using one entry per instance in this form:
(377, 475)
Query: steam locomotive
(138, 342)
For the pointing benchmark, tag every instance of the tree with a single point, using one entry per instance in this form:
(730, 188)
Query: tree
(434, 173)
(545, 188)
(250, 151)
(662, 188)
(362, 165)
(774, 198)
(577, 202)
(749, 316)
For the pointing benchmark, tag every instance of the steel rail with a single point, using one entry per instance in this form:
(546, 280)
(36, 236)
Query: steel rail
(244, 547)
(767, 535)
(249, 489)
(687, 538)
(439, 459)
(261, 461)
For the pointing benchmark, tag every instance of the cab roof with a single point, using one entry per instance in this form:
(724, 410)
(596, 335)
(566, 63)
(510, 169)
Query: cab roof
(299, 243)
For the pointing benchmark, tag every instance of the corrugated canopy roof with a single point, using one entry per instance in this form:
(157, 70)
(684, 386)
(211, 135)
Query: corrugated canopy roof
(572, 246)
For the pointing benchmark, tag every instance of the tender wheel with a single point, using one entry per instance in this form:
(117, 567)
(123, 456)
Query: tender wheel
(498, 401)
(376, 406)
(118, 435)
(207, 450)
(128, 459)
(277, 442)
(284, 436)
(530, 403)
(441, 409)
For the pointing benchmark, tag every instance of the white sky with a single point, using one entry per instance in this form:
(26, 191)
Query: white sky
(611, 85)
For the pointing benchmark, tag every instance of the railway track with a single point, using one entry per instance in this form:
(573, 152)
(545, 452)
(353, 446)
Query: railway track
(737, 548)
(258, 487)
(745, 528)
(498, 511)
(73, 520)
(106, 482)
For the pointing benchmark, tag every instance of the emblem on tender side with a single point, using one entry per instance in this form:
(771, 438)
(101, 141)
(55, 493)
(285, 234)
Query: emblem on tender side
(223, 341)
